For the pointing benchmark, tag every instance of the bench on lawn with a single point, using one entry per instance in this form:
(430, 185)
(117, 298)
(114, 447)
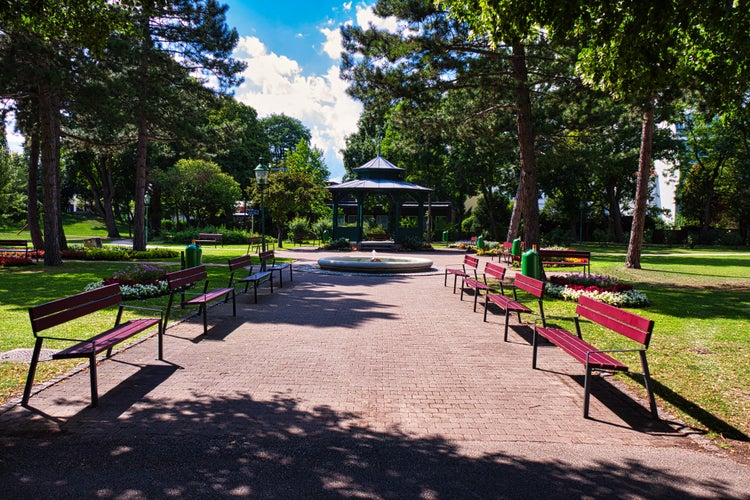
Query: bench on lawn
(17, 246)
(61, 311)
(208, 238)
(531, 286)
(630, 325)
(256, 242)
(495, 271)
(566, 258)
(252, 278)
(470, 264)
(268, 263)
(179, 282)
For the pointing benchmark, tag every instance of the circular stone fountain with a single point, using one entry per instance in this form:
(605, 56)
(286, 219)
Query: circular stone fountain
(375, 264)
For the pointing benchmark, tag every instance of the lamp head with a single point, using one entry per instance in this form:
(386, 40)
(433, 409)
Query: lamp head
(261, 174)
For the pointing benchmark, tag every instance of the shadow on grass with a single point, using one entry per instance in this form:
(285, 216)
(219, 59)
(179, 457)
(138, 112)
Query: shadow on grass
(277, 448)
(706, 418)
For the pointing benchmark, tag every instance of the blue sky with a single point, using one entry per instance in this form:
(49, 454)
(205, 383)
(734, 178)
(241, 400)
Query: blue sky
(292, 49)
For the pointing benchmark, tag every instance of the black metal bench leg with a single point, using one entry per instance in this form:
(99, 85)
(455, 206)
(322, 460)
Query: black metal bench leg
(586, 392)
(94, 388)
(507, 320)
(32, 371)
(533, 349)
(205, 318)
(647, 383)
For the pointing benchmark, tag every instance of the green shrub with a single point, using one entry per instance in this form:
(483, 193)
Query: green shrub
(298, 228)
(321, 225)
(339, 244)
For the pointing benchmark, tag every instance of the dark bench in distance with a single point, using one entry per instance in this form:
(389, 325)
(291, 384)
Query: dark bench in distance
(254, 279)
(531, 286)
(181, 282)
(497, 275)
(630, 325)
(470, 264)
(62, 311)
(209, 238)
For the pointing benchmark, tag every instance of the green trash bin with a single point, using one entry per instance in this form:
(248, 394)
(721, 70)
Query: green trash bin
(480, 242)
(326, 236)
(445, 236)
(530, 264)
(515, 248)
(193, 255)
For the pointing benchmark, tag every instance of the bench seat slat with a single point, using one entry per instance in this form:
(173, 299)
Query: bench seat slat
(209, 296)
(107, 340)
(578, 349)
(508, 303)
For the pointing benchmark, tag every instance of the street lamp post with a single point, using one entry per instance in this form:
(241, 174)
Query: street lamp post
(261, 176)
(147, 202)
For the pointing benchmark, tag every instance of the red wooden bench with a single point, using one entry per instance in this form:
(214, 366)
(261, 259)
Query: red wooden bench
(255, 279)
(268, 263)
(470, 264)
(497, 274)
(529, 285)
(61, 311)
(180, 282)
(566, 258)
(630, 325)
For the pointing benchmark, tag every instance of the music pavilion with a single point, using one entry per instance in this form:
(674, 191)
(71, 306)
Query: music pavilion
(381, 193)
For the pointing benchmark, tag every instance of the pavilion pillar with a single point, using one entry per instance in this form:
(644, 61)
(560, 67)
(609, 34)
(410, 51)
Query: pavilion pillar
(360, 215)
(420, 218)
(396, 218)
(335, 222)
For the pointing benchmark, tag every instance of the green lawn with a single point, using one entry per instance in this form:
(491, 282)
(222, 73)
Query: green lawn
(700, 302)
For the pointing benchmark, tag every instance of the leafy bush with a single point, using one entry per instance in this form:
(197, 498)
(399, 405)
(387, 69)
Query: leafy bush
(117, 253)
(298, 228)
(321, 225)
(339, 244)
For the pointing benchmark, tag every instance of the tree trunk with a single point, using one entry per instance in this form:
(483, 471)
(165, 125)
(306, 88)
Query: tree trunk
(141, 167)
(108, 196)
(34, 150)
(615, 217)
(633, 258)
(529, 198)
(515, 216)
(49, 118)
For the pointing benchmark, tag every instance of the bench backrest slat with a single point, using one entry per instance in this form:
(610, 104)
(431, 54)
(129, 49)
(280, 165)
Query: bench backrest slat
(494, 270)
(267, 255)
(530, 285)
(184, 277)
(618, 320)
(59, 311)
(209, 236)
(471, 261)
(14, 243)
(240, 262)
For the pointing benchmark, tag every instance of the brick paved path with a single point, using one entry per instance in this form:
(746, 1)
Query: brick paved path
(352, 385)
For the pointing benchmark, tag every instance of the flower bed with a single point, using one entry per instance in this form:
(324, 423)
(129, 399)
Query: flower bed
(139, 281)
(606, 289)
(8, 259)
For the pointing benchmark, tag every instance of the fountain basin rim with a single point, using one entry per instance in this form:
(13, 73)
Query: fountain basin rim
(385, 264)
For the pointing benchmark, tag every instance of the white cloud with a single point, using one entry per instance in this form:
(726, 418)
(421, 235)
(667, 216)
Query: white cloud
(275, 84)
(366, 17)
